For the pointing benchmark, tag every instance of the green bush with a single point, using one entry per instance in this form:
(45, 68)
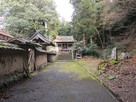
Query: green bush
(106, 54)
(92, 50)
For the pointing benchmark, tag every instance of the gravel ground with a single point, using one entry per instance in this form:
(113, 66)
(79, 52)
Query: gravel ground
(55, 84)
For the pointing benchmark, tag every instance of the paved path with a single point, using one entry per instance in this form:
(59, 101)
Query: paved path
(60, 82)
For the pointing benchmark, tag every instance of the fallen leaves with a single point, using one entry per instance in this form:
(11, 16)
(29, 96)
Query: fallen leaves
(124, 75)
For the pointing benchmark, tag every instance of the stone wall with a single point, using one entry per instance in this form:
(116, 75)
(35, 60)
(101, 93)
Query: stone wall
(12, 64)
(41, 59)
(51, 57)
(64, 56)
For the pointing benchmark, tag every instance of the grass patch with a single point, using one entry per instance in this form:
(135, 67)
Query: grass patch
(90, 66)
(74, 67)
(70, 67)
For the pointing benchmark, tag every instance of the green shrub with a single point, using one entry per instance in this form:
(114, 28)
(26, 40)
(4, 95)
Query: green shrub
(92, 50)
(106, 54)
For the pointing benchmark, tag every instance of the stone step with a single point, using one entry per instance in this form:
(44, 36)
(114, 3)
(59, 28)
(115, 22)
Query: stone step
(65, 56)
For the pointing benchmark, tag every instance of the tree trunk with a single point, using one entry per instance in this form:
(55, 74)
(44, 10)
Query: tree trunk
(100, 39)
(84, 40)
(91, 40)
(110, 34)
(103, 35)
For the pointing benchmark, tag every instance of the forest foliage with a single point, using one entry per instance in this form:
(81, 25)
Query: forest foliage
(99, 22)
(24, 17)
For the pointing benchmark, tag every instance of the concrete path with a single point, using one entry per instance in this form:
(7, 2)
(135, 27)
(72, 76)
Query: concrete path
(60, 82)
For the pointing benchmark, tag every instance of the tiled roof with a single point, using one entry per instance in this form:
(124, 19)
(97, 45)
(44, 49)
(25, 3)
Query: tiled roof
(64, 39)
(9, 46)
(17, 41)
(5, 34)
(20, 41)
(38, 35)
(41, 50)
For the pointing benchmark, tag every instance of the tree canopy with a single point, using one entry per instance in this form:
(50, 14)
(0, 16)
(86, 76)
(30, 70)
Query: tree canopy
(25, 17)
(65, 29)
(85, 17)
(93, 21)
(100, 20)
